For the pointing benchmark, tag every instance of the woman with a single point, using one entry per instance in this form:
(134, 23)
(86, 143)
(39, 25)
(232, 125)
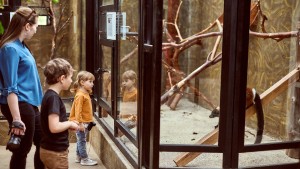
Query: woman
(20, 87)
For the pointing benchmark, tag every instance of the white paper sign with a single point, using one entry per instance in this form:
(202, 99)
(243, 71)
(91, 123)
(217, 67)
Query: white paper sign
(111, 25)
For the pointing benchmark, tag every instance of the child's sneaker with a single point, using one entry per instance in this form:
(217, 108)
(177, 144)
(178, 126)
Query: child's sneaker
(78, 159)
(88, 162)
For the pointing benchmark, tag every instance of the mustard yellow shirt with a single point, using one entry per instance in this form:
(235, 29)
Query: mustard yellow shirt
(130, 96)
(82, 110)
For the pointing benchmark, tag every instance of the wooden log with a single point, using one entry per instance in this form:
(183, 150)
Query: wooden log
(266, 98)
(175, 101)
(170, 100)
(271, 93)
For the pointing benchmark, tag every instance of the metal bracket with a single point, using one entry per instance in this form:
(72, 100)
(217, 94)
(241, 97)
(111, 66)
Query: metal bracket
(148, 48)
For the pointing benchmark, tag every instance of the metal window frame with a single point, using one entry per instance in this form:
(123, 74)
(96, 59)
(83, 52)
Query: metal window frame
(233, 80)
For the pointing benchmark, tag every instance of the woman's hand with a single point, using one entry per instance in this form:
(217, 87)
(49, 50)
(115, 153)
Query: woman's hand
(18, 127)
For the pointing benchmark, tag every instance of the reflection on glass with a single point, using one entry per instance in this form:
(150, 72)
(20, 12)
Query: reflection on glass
(106, 86)
(128, 106)
(106, 74)
(129, 91)
(273, 71)
(107, 2)
(105, 70)
(4, 2)
(128, 68)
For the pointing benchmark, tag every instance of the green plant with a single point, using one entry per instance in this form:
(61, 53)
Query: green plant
(1, 28)
(55, 1)
(1, 4)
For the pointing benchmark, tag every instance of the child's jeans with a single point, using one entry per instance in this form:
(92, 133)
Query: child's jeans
(81, 143)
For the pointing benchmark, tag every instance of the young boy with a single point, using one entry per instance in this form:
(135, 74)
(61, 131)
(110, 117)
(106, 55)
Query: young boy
(54, 122)
(82, 112)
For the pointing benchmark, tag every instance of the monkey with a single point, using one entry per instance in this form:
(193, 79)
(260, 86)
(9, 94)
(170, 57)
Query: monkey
(252, 97)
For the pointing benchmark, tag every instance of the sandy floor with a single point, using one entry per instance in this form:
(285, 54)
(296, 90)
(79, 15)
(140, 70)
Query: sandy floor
(189, 123)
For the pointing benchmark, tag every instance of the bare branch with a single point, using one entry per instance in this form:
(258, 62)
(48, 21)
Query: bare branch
(129, 55)
(276, 36)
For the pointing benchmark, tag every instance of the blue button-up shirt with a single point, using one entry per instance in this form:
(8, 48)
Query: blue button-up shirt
(19, 74)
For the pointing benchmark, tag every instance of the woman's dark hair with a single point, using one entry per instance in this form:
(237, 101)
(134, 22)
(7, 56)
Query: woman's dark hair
(22, 16)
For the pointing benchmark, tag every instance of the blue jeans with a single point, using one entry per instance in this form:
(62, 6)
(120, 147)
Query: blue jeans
(81, 143)
(30, 116)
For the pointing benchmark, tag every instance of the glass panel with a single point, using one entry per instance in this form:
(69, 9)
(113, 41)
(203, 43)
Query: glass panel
(106, 84)
(107, 2)
(264, 158)
(204, 160)
(191, 71)
(272, 72)
(106, 74)
(4, 2)
(130, 146)
(127, 95)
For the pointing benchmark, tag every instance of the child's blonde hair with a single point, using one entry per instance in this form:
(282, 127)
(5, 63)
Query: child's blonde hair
(56, 68)
(82, 76)
(129, 74)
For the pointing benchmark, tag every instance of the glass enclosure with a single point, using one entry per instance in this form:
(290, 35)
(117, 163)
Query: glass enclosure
(261, 123)
(128, 72)
(272, 74)
(118, 67)
(191, 71)
(183, 83)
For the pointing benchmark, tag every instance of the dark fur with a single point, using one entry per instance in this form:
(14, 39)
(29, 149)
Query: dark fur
(259, 114)
(215, 113)
(260, 119)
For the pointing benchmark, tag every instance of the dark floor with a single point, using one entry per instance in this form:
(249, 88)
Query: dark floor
(5, 158)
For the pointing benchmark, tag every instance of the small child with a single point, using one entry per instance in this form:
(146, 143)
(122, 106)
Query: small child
(81, 111)
(128, 86)
(54, 121)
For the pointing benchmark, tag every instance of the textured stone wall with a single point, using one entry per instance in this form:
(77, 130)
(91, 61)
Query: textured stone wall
(196, 16)
(269, 61)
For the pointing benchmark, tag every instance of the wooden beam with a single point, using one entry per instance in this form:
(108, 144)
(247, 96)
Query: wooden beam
(266, 97)
(184, 158)
(271, 93)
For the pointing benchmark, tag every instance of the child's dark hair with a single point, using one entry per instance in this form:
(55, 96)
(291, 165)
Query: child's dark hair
(56, 68)
(82, 76)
